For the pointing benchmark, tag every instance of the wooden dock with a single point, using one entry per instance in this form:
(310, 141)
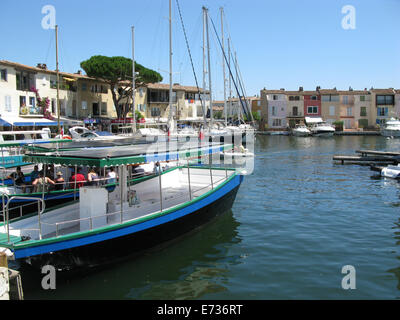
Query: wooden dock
(369, 157)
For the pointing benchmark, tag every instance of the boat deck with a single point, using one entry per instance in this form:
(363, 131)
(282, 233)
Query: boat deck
(70, 218)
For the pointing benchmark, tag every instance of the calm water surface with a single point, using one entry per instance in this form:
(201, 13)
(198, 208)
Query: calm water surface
(297, 220)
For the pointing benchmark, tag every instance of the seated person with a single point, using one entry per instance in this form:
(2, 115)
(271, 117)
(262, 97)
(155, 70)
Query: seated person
(59, 181)
(93, 178)
(41, 183)
(18, 179)
(77, 180)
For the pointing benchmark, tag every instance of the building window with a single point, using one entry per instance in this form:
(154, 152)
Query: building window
(362, 98)
(294, 98)
(330, 97)
(363, 123)
(103, 108)
(331, 110)
(84, 86)
(84, 105)
(25, 80)
(32, 101)
(385, 100)
(345, 100)
(382, 112)
(190, 96)
(273, 111)
(7, 106)
(3, 74)
(53, 106)
(347, 123)
(312, 109)
(314, 98)
(349, 111)
(363, 111)
(155, 112)
(295, 111)
(22, 101)
(277, 123)
(275, 97)
(74, 108)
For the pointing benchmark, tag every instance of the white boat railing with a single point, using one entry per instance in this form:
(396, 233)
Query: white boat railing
(163, 203)
(40, 211)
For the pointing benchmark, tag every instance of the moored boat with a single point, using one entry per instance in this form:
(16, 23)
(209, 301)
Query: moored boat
(391, 128)
(301, 131)
(322, 129)
(104, 225)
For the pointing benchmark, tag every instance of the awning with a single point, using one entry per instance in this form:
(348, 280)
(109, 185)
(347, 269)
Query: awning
(69, 79)
(9, 121)
(70, 122)
(309, 120)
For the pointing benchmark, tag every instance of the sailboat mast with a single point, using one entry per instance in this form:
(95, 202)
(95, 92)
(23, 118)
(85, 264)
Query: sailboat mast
(204, 68)
(223, 65)
(209, 70)
(133, 81)
(170, 68)
(229, 66)
(58, 85)
(237, 81)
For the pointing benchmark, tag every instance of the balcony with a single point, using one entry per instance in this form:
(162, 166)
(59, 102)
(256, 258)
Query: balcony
(30, 111)
(298, 114)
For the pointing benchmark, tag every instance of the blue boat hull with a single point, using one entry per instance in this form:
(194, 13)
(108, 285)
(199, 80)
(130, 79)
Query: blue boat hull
(111, 246)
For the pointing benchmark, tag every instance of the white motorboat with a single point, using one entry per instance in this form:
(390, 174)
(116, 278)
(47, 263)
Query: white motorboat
(322, 129)
(391, 128)
(391, 172)
(84, 134)
(301, 131)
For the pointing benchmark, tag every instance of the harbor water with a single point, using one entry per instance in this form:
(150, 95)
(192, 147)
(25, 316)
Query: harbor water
(296, 222)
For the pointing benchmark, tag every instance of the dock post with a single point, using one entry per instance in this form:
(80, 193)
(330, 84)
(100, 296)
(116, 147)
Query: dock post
(4, 278)
(159, 180)
(190, 188)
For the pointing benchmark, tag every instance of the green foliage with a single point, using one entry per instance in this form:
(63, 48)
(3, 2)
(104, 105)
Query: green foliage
(117, 72)
(218, 114)
(138, 115)
(115, 69)
(338, 125)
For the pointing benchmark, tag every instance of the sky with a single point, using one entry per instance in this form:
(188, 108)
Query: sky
(278, 44)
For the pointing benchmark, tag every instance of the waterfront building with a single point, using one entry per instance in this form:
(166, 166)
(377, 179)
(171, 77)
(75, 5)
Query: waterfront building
(312, 103)
(347, 109)
(84, 99)
(295, 108)
(187, 102)
(80, 96)
(274, 108)
(330, 105)
(383, 105)
(362, 109)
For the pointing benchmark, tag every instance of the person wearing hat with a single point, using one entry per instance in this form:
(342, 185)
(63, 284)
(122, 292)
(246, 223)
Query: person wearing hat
(59, 181)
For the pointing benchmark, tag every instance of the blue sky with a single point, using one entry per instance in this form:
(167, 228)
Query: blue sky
(279, 44)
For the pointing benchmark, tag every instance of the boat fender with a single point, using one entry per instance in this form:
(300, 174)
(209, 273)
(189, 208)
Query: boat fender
(9, 254)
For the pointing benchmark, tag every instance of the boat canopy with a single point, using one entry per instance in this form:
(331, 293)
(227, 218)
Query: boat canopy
(311, 120)
(13, 120)
(21, 143)
(128, 154)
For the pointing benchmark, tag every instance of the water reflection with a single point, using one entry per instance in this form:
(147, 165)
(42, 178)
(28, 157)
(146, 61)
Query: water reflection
(192, 266)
